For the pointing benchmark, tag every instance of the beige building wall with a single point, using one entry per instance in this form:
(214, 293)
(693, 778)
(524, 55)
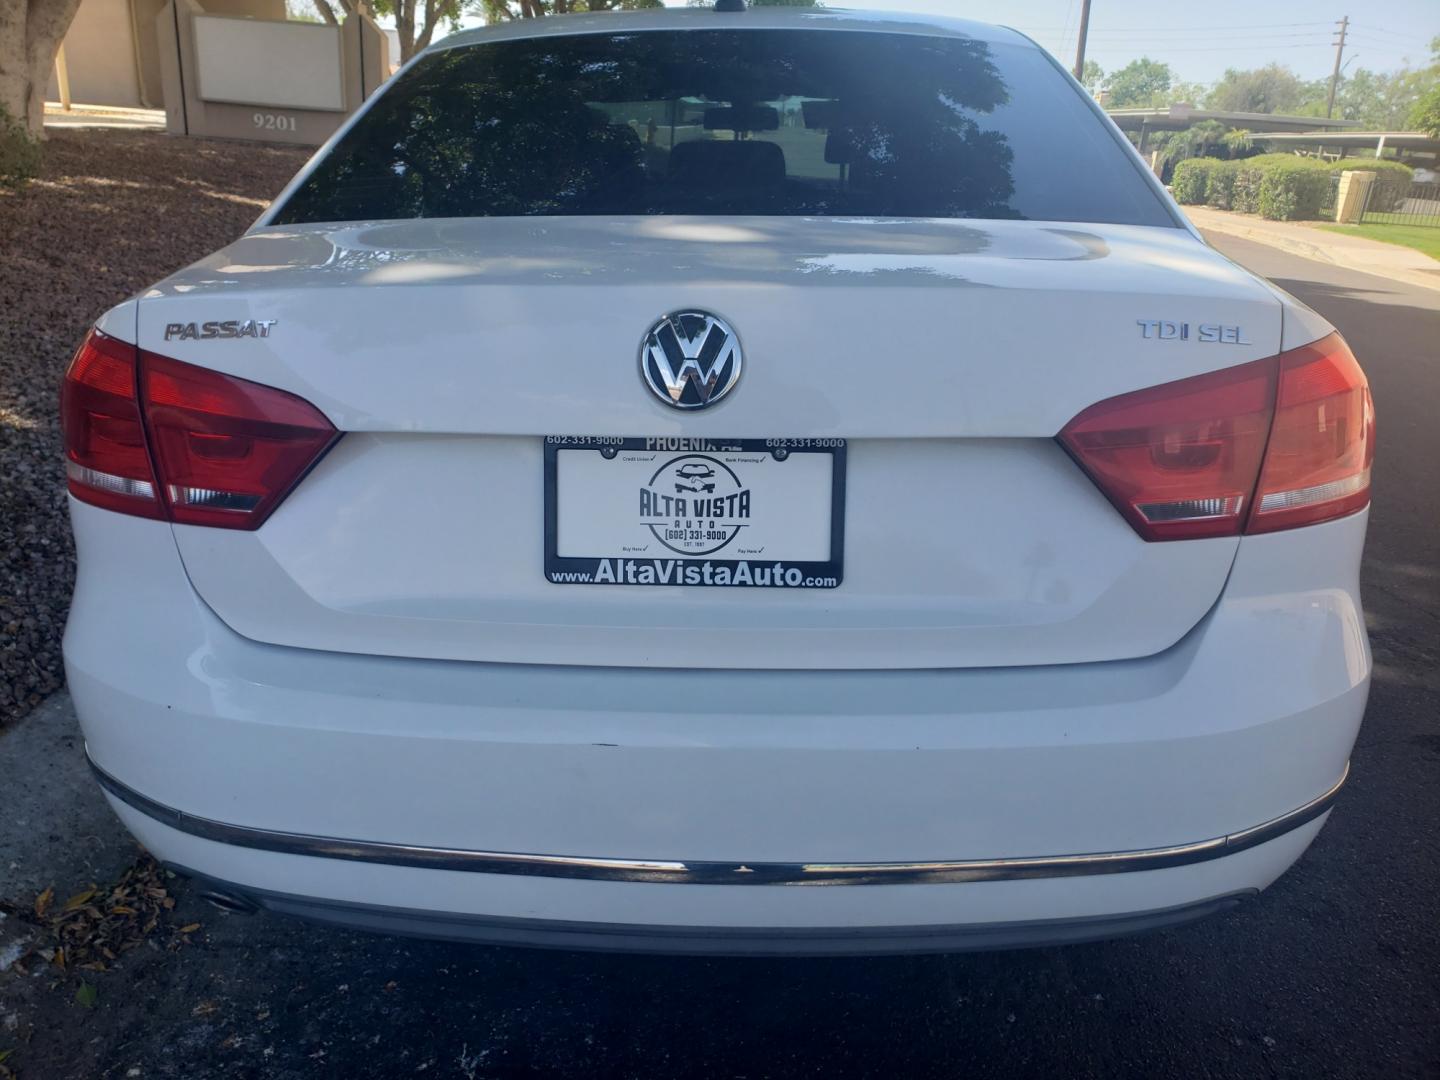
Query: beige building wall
(100, 54)
(256, 9)
(113, 56)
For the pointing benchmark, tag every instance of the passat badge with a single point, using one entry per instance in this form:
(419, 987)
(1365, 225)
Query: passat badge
(210, 331)
(690, 359)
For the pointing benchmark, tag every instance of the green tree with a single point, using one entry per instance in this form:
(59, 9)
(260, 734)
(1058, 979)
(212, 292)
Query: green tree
(1140, 83)
(1384, 102)
(1205, 139)
(1093, 77)
(1425, 116)
(502, 10)
(1273, 88)
(1388, 102)
(1184, 93)
(1238, 142)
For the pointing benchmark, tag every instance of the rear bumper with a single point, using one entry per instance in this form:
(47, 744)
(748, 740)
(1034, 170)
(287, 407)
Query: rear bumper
(696, 919)
(726, 774)
(733, 873)
(369, 869)
(712, 940)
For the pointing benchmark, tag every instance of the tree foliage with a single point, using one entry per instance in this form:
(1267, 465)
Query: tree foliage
(1207, 139)
(417, 20)
(1388, 101)
(1425, 116)
(1273, 88)
(502, 10)
(1139, 84)
(1383, 102)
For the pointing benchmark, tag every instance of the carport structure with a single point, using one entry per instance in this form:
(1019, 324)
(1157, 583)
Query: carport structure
(1142, 122)
(1411, 147)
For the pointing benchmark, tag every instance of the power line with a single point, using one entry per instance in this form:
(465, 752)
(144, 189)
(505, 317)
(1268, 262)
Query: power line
(1215, 36)
(1166, 51)
(1065, 31)
(1381, 43)
(1184, 29)
(1382, 30)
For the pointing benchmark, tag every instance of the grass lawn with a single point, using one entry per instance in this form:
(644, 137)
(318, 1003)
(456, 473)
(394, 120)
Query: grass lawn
(1424, 238)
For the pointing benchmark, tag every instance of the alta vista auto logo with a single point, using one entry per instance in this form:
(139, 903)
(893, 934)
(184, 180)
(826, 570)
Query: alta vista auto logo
(695, 504)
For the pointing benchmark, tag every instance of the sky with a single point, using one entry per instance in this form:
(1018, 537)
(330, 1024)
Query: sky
(1200, 40)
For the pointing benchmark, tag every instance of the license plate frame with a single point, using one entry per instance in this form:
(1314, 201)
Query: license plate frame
(670, 567)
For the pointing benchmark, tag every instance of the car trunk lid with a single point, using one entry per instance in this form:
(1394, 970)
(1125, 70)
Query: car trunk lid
(946, 355)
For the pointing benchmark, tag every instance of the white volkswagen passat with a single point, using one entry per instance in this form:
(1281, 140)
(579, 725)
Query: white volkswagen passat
(710, 481)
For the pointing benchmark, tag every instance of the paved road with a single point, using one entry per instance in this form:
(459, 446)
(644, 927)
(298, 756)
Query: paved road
(1333, 972)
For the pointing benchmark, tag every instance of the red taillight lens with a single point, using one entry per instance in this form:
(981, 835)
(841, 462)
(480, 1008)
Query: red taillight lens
(106, 462)
(1317, 465)
(1180, 460)
(225, 451)
(1204, 456)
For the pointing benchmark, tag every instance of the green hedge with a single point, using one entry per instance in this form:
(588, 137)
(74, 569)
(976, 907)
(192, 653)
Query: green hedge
(1279, 186)
(1282, 187)
(19, 153)
(1221, 188)
(1388, 170)
(1191, 179)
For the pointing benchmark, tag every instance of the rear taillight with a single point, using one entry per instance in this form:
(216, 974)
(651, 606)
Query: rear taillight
(1184, 460)
(148, 435)
(227, 450)
(1317, 465)
(1180, 460)
(106, 461)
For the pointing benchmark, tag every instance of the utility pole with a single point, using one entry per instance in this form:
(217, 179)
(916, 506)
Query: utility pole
(1080, 45)
(1344, 26)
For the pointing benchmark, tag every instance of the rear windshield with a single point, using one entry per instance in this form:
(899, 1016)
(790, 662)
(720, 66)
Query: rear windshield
(812, 122)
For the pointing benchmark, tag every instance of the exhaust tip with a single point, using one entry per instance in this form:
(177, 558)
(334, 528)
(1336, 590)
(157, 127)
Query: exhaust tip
(233, 903)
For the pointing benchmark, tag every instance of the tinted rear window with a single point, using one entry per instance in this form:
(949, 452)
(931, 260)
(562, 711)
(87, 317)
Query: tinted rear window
(812, 122)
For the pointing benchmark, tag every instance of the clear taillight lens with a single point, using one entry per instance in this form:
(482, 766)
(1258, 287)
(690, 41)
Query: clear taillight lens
(1317, 465)
(148, 435)
(1273, 444)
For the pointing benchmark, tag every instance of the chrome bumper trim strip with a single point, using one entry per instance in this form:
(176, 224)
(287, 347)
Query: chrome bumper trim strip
(719, 873)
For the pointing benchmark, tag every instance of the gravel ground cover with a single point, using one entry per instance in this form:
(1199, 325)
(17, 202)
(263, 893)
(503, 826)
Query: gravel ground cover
(112, 212)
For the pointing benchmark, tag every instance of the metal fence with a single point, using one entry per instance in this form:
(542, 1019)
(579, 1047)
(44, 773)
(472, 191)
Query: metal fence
(1327, 205)
(1401, 202)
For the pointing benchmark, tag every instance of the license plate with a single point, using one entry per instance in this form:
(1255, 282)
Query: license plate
(762, 513)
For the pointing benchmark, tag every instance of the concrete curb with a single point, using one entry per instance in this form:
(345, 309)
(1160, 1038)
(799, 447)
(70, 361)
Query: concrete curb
(57, 828)
(1369, 257)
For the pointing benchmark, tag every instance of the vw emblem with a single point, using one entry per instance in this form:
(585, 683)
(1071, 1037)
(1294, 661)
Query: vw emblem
(690, 359)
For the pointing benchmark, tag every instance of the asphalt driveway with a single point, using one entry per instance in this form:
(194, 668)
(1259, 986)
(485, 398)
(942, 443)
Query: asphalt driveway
(1333, 972)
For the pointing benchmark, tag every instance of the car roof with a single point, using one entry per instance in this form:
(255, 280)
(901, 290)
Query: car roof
(705, 18)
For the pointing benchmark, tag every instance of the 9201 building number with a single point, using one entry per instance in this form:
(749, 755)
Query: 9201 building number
(274, 122)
